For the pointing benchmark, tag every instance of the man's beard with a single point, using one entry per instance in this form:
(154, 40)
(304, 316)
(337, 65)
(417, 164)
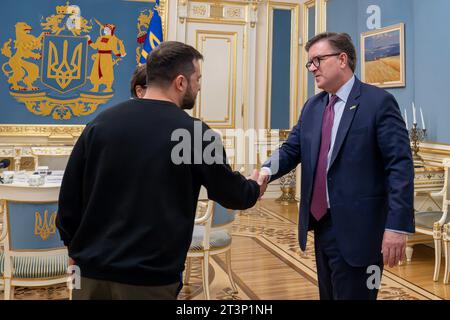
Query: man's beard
(189, 99)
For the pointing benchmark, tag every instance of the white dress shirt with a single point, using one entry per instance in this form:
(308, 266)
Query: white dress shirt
(339, 106)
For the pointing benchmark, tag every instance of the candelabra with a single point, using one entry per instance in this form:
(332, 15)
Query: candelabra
(287, 186)
(417, 135)
(287, 182)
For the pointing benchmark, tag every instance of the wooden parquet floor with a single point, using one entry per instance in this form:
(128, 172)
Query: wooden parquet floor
(268, 264)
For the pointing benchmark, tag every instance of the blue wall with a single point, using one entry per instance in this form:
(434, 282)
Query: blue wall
(123, 14)
(281, 69)
(426, 34)
(432, 70)
(311, 33)
(393, 12)
(342, 16)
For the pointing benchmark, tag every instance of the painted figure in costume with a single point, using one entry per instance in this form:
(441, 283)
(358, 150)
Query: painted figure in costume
(103, 68)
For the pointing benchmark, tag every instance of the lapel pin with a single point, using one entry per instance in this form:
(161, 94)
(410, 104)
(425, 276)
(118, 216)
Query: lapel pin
(353, 107)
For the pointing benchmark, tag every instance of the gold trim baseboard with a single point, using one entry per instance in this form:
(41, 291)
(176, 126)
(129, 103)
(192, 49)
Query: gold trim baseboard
(39, 130)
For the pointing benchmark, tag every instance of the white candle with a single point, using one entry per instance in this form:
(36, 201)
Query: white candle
(421, 116)
(406, 119)
(414, 114)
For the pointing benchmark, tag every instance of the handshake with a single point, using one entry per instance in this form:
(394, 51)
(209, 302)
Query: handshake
(262, 178)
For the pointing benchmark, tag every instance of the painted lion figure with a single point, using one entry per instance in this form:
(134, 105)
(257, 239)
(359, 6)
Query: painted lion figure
(17, 69)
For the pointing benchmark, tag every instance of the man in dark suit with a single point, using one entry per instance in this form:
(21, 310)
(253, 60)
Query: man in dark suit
(357, 173)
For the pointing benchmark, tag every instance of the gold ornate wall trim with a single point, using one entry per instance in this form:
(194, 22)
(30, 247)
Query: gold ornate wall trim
(228, 2)
(304, 56)
(320, 26)
(433, 153)
(164, 6)
(50, 131)
(321, 14)
(295, 26)
(213, 21)
(52, 151)
(218, 12)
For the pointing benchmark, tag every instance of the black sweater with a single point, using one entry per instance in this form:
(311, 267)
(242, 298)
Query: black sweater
(126, 211)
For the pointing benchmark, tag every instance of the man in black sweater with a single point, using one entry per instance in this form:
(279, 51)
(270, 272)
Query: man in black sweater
(129, 194)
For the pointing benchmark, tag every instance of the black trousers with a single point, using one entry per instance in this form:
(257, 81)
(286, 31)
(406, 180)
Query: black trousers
(92, 289)
(337, 279)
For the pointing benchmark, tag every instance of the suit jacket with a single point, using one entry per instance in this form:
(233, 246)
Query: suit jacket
(370, 177)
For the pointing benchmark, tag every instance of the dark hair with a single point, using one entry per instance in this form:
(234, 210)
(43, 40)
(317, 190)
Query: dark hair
(169, 60)
(341, 42)
(139, 78)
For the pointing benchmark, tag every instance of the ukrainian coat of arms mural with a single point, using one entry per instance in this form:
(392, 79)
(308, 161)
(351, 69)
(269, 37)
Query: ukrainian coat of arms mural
(68, 67)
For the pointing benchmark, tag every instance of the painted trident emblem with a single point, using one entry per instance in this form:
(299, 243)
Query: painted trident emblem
(64, 72)
(44, 228)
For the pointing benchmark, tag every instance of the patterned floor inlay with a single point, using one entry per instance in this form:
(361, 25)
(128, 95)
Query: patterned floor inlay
(274, 236)
(55, 292)
(279, 235)
(219, 284)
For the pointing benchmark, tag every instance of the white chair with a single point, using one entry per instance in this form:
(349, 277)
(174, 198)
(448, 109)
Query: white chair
(446, 239)
(432, 222)
(212, 236)
(33, 253)
(446, 229)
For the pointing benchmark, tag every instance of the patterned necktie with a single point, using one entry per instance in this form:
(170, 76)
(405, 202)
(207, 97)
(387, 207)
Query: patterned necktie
(319, 203)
